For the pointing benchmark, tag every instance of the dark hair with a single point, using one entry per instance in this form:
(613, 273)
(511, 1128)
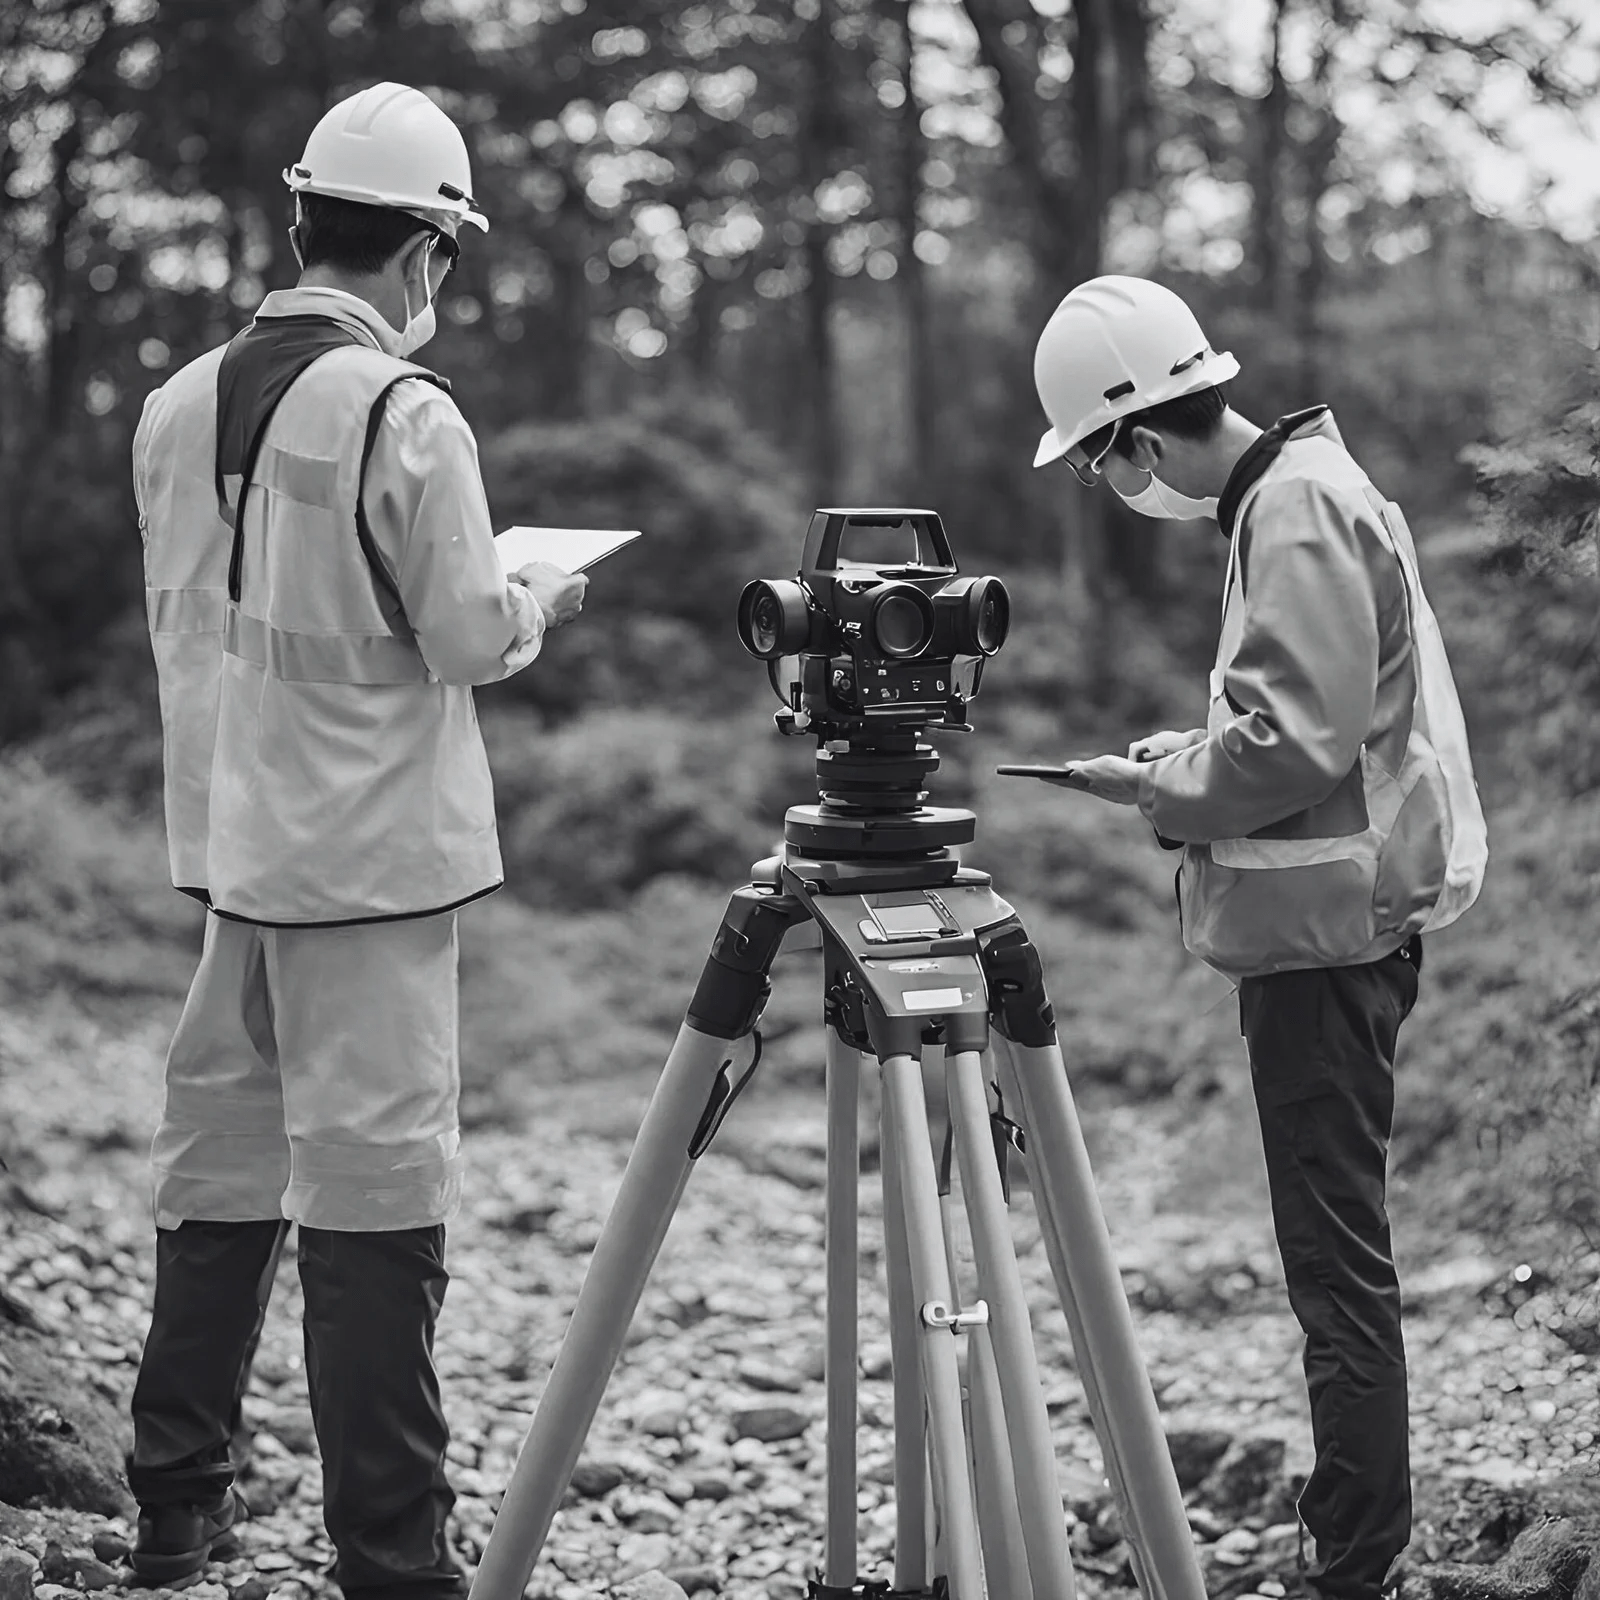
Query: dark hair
(351, 236)
(1191, 416)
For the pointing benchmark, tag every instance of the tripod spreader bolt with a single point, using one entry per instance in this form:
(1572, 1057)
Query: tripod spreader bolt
(936, 1314)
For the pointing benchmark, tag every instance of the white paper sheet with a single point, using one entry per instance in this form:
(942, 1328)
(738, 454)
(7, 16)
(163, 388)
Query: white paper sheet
(571, 549)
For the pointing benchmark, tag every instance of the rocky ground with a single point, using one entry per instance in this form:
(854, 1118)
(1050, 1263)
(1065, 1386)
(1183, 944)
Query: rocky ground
(704, 1472)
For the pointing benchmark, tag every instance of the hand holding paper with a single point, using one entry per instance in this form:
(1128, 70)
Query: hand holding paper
(560, 594)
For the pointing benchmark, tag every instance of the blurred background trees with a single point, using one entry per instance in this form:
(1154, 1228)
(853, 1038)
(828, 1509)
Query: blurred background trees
(752, 255)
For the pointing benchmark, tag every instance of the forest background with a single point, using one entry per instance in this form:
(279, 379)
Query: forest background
(752, 256)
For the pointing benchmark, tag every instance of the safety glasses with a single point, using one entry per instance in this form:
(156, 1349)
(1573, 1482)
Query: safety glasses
(1087, 469)
(447, 247)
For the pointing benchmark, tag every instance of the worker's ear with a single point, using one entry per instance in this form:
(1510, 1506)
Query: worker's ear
(1146, 448)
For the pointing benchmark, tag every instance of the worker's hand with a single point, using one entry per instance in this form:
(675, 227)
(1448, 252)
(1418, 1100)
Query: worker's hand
(1106, 777)
(560, 594)
(1156, 745)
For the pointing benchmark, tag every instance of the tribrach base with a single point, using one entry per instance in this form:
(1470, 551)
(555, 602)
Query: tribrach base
(913, 953)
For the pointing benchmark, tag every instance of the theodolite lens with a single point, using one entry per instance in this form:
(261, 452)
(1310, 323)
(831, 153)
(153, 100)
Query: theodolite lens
(989, 608)
(900, 622)
(977, 612)
(774, 619)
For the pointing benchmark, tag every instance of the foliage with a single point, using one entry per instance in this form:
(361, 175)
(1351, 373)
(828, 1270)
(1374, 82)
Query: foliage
(719, 507)
(1543, 484)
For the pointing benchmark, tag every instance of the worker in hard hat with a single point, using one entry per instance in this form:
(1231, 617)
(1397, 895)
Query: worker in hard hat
(1328, 818)
(323, 594)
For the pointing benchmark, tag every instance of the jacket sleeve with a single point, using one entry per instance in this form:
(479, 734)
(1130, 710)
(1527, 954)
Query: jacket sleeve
(425, 502)
(1302, 686)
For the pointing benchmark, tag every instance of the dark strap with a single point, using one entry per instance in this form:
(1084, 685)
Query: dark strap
(369, 545)
(258, 368)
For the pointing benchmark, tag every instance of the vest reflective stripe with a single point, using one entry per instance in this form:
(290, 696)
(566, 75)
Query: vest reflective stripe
(355, 658)
(185, 610)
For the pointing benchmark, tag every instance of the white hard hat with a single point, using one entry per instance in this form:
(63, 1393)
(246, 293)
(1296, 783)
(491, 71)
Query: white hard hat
(1114, 346)
(391, 146)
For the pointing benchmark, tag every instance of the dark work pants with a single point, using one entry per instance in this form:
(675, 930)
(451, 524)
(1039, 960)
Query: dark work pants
(372, 1301)
(1322, 1045)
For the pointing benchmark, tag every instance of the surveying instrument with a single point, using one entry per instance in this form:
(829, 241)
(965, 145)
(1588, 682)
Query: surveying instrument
(877, 641)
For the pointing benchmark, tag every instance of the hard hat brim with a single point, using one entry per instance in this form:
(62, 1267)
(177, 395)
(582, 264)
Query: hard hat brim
(1050, 448)
(1217, 368)
(460, 211)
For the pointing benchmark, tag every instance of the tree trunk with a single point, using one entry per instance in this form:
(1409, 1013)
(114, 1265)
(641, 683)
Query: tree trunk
(1317, 158)
(1267, 220)
(818, 133)
(921, 411)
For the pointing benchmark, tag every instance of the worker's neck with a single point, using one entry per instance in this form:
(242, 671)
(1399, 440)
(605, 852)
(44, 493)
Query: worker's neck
(383, 291)
(1233, 437)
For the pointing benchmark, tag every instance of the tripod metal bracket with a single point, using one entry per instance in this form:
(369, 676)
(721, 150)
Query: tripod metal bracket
(936, 1314)
(1015, 977)
(874, 1589)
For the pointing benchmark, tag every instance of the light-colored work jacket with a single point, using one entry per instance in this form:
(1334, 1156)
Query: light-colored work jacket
(1331, 811)
(348, 781)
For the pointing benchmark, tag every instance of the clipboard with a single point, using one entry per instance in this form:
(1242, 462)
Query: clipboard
(571, 549)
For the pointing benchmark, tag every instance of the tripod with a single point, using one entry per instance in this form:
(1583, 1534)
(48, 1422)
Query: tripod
(916, 949)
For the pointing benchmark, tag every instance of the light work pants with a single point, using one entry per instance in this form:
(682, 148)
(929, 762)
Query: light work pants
(1322, 1047)
(314, 1075)
(313, 1078)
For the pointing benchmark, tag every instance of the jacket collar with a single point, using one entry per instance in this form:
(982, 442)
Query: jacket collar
(1252, 465)
(348, 310)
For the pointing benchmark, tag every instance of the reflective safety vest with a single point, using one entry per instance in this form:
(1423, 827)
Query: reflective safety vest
(1400, 846)
(186, 545)
(349, 785)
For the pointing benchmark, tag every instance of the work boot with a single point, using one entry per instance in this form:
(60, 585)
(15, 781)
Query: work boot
(176, 1541)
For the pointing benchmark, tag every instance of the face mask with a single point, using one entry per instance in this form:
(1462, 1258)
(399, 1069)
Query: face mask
(421, 328)
(1158, 499)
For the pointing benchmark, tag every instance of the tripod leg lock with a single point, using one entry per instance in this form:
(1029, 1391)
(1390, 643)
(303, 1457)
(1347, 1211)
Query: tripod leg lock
(937, 1314)
(1015, 976)
(733, 988)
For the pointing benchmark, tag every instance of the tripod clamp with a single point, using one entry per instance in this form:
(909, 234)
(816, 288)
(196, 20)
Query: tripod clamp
(936, 1314)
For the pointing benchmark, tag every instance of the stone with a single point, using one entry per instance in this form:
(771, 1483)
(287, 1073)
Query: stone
(1249, 1475)
(768, 1376)
(710, 1486)
(274, 1561)
(696, 1580)
(55, 1565)
(664, 1417)
(1194, 1452)
(251, 1589)
(653, 1585)
(640, 1553)
(16, 1574)
(109, 1547)
(592, 1479)
(769, 1423)
(92, 1574)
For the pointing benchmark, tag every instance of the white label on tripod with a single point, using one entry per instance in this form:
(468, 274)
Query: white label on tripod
(931, 999)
